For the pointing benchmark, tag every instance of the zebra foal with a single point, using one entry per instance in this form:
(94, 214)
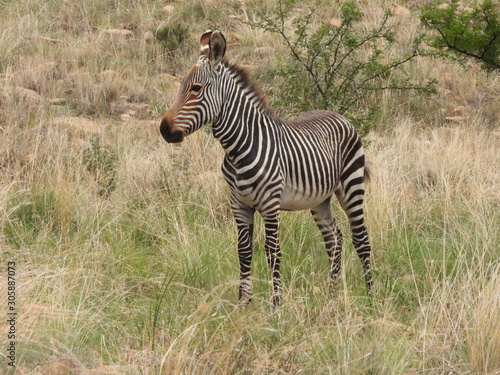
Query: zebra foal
(271, 164)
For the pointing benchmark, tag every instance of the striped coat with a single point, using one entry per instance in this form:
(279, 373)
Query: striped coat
(272, 164)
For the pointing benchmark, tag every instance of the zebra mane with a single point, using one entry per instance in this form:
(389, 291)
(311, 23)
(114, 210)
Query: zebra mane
(242, 77)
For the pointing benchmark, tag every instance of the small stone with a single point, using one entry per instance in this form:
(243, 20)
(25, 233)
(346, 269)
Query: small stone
(125, 116)
(335, 22)
(27, 96)
(4, 97)
(61, 367)
(79, 124)
(119, 33)
(169, 9)
(148, 36)
(455, 119)
(463, 9)
(460, 111)
(399, 10)
(58, 101)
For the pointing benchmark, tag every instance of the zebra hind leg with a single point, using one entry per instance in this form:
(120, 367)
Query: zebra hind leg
(352, 203)
(332, 237)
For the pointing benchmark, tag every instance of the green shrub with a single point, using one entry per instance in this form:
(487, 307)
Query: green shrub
(173, 35)
(338, 67)
(465, 32)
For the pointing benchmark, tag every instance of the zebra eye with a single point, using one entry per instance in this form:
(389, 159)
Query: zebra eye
(196, 87)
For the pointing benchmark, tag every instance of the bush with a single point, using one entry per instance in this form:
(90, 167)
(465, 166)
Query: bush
(465, 32)
(172, 36)
(337, 67)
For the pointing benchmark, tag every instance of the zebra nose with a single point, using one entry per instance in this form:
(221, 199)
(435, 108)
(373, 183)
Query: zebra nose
(169, 134)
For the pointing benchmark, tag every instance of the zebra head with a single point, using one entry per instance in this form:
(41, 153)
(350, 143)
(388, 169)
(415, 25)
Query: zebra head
(199, 99)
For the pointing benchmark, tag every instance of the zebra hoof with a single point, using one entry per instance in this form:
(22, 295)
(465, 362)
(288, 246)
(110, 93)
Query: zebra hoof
(277, 300)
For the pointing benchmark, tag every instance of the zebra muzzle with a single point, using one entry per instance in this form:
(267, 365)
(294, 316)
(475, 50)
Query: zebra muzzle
(171, 135)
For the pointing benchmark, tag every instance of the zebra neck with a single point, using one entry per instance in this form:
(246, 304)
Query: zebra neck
(244, 126)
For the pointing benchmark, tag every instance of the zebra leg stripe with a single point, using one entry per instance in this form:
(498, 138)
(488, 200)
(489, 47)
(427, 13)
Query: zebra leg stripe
(363, 248)
(244, 223)
(352, 203)
(273, 253)
(332, 237)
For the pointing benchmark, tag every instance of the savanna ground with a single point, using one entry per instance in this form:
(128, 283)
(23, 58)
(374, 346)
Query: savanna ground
(125, 247)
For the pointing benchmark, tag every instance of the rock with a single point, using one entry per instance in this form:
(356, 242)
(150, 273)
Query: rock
(148, 37)
(335, 22)
(62, 367)
(126, 116)
(27, 96)
(79, 124)
(58, 101)
(4, 97)
(455, 119)
(127, 110)
(399, 10)
(118, 33)
(460, 111)
(463, 9)
(169, 9)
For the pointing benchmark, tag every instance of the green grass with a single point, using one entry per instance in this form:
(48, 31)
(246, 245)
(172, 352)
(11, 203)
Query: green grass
(154, 275)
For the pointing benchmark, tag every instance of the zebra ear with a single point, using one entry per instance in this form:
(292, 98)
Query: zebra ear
(217, 47)
(204, 41)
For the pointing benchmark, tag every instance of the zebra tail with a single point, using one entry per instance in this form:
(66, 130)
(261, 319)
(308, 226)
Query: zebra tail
(367, 171)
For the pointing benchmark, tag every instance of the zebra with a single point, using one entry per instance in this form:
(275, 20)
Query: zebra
(271, 164)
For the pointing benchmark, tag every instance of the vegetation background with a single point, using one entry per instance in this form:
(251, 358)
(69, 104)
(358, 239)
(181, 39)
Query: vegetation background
(125, 246)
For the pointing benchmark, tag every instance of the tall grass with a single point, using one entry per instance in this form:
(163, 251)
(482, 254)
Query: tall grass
(143, 279)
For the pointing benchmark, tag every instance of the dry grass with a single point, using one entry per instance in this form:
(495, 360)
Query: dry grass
(143, 280)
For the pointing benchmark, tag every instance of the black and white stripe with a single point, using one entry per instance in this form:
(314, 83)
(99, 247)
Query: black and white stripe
(272, 164)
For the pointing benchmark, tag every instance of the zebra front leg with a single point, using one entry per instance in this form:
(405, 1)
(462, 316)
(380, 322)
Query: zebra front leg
(244, 223)
(332, 237)
(273, 253)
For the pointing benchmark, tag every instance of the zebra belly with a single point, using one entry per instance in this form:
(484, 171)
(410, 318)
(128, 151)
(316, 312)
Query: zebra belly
(292, 200)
